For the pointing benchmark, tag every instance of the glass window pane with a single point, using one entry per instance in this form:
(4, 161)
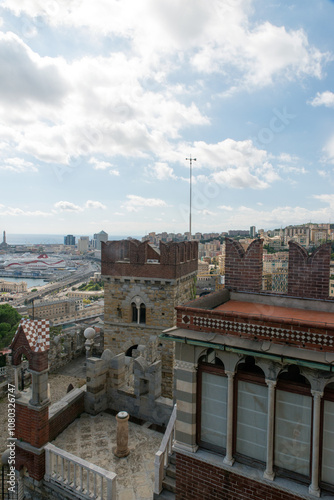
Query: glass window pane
(213, 409)
(328, 443)
(293, 431)
(252, 420)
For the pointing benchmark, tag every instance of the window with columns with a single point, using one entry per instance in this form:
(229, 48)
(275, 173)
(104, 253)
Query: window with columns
(279, 424)
(250, 412)
(212, 400)
(293, 423)
(138, 312)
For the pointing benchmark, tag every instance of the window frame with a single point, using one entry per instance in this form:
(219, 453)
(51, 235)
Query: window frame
(328, 396)
(214, 370)
(304, 390)
(254, 378)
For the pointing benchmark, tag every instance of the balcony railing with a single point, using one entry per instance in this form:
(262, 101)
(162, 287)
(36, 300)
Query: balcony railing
(75, 475)
(162, 455)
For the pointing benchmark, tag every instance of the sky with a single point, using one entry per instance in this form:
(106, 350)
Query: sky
(102, 102)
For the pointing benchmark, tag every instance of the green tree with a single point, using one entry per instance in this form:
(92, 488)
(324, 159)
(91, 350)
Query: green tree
(9, 320)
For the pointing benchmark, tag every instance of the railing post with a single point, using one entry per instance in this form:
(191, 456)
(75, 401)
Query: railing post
(111, 488)
(158, 471)
(48, 471)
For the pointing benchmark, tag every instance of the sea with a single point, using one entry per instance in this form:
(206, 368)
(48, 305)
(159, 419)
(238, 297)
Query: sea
(48, 239)
(31, 282)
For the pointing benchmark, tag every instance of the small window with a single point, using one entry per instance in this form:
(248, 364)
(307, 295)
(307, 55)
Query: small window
(142, 312)
(134, 313)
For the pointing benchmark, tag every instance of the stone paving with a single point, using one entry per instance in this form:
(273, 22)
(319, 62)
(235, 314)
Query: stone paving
(93, 439)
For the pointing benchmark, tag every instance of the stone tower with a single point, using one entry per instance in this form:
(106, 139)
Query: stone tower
(143, 285)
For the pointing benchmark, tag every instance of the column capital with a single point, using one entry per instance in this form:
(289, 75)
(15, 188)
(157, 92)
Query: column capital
(317, 394)
(271, 383)
(184, 365)
(230, 374)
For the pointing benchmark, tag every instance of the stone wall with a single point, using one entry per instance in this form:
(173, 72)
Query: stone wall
(70, 344)
(160, 298)
(127, 384)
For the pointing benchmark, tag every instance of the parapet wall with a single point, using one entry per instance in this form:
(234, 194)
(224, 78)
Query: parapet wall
(308, 274)
(243, 269)
(136, 259)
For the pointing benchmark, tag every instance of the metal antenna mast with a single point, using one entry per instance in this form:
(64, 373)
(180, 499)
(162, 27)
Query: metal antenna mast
(191, 164)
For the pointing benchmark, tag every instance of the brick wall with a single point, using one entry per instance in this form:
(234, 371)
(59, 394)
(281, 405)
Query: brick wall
(68, 411)
(202, 481)
(35, 464)
(243, 270)
(129, 258)
(308, 275)
(32, 426)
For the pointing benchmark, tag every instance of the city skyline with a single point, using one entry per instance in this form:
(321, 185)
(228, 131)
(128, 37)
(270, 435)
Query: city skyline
(101, 104)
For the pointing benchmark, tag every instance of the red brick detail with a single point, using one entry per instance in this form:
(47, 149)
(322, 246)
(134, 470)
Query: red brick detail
(243, 270)
(131, 258)
(35, 464)
(20, 346)
(61, 420)
(197, 480)
(308, 275)
(297, 333)
(32, 426)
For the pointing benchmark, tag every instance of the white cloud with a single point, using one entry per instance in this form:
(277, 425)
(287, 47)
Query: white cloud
(205, 212)
(329, 151)
(95, 204)
(323, 99)
(17, 165)
(226, 207)
(326, 198)
(67, 206)
(135, 203)
(216, 36)
(244, 217)
(237, 164)
(14, 211)
(162, 172)
(103, 165)
(27, 77)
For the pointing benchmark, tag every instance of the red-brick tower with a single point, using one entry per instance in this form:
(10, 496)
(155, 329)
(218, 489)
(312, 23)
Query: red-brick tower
(32, 340)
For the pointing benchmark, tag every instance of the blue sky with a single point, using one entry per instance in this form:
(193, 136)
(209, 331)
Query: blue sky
(101, 102)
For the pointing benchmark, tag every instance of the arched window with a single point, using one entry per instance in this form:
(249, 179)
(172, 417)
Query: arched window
(142, 313)
(134, 313)
(251, 413)
(212, 403)
(138, 311)
(293, 421)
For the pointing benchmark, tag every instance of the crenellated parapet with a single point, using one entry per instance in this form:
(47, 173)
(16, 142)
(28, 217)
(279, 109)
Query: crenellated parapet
(140, 259)
(309, 274)
(243, 269)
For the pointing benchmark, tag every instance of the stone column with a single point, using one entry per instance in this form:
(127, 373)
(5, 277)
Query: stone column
(16, 379)
(269, 472)
(229, 460)
(314, 486)
(185, 425)
(122, 449)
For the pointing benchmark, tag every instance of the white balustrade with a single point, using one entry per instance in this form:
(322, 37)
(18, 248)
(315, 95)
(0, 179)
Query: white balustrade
(162, 455)
(71, 473)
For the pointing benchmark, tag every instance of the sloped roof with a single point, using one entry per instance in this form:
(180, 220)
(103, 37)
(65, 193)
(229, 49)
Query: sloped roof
(37, 333)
